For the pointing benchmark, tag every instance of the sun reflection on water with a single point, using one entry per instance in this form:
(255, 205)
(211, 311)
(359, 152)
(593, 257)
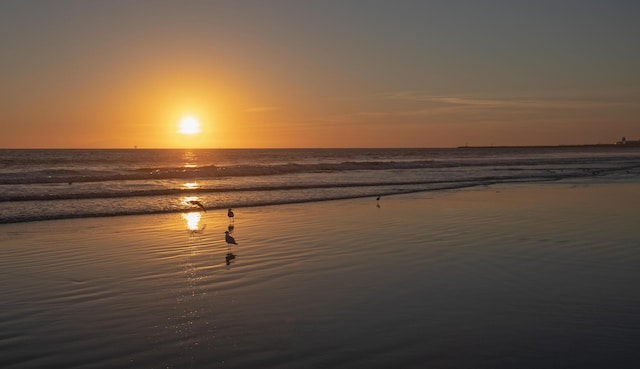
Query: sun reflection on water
(190, 159)
(192, 221)
(190, 186)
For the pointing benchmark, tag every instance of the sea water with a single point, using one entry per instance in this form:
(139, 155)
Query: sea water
(472, 267)
(58, 184)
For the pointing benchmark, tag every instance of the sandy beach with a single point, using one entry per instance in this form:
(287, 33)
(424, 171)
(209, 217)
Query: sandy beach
(515, 276)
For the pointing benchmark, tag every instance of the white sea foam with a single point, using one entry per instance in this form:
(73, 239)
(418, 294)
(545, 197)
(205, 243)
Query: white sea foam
(57, 184)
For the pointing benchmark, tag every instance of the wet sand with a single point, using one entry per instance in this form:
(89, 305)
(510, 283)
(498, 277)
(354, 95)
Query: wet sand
(525, 276)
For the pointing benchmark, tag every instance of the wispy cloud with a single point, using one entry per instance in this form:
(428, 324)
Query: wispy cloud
(413, 106)
(463, 102)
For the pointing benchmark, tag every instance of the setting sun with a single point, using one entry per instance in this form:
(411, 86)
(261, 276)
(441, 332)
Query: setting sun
(189, 125)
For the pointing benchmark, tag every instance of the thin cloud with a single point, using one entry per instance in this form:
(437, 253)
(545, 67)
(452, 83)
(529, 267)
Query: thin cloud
(462, 102)
(443, 107)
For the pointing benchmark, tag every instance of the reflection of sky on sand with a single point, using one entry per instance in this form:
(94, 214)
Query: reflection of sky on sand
(192, 221)
(527, 273)
(188, 308)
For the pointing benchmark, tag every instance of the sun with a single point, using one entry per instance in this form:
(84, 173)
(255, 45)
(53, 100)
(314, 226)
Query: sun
(189, 125)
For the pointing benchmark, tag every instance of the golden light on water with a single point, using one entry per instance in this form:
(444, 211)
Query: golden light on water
(192, 221)
(190, 186)
(190, 159)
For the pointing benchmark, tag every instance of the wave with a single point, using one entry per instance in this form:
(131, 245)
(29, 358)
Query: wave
(213, 171)
(208, 171)
(128, 193)
(37, 212)
(28, 209)
(129, 187)
(196, 191)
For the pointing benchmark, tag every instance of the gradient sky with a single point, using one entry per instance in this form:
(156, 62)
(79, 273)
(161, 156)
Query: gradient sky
(268, 73)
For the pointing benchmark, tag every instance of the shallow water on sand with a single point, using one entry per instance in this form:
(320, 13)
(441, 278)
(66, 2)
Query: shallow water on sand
(498, 277)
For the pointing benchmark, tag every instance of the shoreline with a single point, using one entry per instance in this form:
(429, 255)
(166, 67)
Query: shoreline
(453, 187)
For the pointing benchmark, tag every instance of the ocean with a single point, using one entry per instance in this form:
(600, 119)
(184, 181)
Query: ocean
(472, 258)
(38, 185)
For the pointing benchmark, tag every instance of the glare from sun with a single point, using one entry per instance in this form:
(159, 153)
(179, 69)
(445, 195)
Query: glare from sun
(189, 125)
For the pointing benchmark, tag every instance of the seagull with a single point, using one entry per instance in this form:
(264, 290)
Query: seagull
(230, 214)
(378, 198)
(230, 240)
(195, 202)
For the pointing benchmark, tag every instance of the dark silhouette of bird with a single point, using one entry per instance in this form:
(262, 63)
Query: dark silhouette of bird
(230, 240)
(198, 203)
(230, 214)
(378, 198)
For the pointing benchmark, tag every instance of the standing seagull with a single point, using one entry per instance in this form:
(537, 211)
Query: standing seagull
(230, 215)
(230, 240)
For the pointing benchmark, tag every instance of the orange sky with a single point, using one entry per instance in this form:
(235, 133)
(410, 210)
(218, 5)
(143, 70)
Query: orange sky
(326, 74)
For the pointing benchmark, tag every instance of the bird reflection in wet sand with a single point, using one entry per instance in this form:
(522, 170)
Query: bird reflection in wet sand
(230, 256)
(231, 228)
(378, 201)
(230, 241)
(198, 231)
(230, 215)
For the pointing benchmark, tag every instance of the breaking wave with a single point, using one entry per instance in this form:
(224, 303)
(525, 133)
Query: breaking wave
(83, 184)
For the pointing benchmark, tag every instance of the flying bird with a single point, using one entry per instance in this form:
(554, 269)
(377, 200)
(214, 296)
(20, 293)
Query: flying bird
(230, 240)
(230, 214)
(195, 202)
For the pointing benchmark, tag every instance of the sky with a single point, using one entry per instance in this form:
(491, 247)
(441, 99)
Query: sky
(275, 74)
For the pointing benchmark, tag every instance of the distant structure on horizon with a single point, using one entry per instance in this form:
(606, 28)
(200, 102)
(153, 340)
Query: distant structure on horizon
(624, 141)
